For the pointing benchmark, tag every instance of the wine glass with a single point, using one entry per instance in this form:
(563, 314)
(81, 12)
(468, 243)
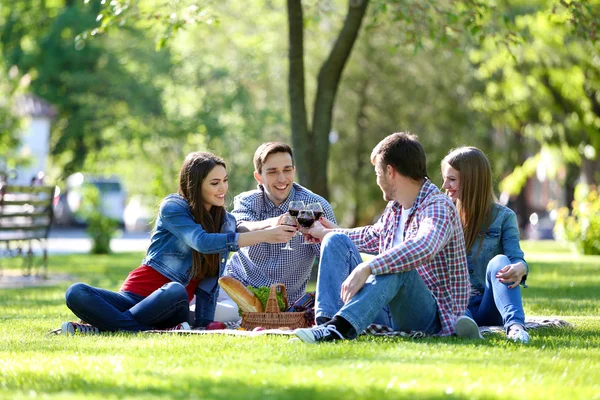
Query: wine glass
(289, 221)
(306, 218)
(317, 209)
(295, 207)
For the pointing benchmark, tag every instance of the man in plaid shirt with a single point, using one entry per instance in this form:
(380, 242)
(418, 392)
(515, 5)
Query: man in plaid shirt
(264, 264)
(420, 267)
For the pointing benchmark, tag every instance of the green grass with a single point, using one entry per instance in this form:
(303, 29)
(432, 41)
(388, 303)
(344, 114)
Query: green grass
(558, 363)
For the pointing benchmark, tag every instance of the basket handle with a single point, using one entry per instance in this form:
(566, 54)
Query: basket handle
(272, 305)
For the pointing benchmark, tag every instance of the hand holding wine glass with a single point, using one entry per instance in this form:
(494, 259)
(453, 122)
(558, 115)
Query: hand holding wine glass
(288, 220)
(316, 232)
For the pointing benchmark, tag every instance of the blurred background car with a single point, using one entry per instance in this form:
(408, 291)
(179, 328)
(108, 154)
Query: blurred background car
(541, 225)
(139, 213)
(113, 199)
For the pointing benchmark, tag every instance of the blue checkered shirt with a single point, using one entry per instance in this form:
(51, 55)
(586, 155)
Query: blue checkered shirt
(264, 264)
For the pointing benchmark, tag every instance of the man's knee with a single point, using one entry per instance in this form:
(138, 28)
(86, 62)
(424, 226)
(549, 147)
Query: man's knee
(336, 239)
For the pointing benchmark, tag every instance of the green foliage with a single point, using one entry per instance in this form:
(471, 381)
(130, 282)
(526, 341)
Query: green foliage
(581, 226)
(543, 89)
(263, 295)
(100, 228)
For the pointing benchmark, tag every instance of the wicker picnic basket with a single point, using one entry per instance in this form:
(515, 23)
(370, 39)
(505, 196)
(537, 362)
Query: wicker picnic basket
(272, 318)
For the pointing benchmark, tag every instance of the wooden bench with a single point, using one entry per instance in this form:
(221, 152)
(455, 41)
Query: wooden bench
(26, 214)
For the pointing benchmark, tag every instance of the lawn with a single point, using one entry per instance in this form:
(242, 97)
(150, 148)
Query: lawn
(558, 363)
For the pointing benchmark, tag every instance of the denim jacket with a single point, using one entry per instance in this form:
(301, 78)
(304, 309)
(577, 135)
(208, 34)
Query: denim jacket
(501, 237)
(170, 251)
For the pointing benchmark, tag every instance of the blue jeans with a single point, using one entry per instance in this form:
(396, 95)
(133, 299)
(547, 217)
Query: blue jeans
(401, 301)
(126, 311)
(498, 305)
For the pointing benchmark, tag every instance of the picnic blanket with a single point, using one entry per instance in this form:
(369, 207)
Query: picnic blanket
(373, 329)
(530, 323)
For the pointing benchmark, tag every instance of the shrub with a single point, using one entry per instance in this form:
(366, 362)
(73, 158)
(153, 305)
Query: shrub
(581, 226)
(100, 228)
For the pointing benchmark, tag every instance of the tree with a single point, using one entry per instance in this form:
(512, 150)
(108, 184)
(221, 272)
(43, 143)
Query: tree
(448, 21)
(545, 88)
(99, 96)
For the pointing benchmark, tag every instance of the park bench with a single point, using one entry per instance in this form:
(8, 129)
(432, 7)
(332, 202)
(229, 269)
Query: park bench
(26, 213)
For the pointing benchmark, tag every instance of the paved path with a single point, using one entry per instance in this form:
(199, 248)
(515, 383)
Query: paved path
(68, 241)
(64, 241)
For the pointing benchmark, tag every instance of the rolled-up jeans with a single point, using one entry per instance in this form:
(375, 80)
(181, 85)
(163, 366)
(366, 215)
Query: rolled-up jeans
(126, 311)
(401, 301)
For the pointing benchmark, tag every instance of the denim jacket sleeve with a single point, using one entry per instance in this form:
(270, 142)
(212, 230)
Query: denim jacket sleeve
(511, 240)
(177, 218)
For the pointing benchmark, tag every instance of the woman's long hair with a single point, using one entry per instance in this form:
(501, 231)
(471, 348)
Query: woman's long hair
(194, 170)
(476, 198)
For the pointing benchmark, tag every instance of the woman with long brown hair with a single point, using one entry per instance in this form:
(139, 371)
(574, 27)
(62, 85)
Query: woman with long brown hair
(192, 238)
(494, 257)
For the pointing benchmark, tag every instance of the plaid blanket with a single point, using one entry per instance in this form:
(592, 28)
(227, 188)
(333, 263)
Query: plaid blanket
(530, 323)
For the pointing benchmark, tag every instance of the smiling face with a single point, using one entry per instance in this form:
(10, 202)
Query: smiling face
(451, 179)
(214, 188)
(277, 175)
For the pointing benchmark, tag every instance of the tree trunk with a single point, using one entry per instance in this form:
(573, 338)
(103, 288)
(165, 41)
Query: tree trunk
(312, 146)
(301, 140)
(361, 122)
(589, 170)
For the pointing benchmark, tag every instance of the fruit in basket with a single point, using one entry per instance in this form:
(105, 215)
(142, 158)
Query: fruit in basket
(215, 325)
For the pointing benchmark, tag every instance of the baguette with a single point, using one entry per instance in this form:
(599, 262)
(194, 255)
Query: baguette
(244, 298)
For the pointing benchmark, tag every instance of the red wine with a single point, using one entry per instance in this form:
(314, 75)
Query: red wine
(306, 222)
(294, 212)
(317, 214)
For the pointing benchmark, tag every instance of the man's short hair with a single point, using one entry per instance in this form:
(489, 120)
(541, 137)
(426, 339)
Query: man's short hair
(402, 151)
(266, 149)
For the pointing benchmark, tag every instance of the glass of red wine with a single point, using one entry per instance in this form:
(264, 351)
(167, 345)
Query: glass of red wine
(306, 218)
(317, 209)
(289, 221)
(294, 208)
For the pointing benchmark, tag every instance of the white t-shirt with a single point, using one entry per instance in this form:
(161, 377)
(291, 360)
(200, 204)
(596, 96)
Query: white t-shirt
(399, 235)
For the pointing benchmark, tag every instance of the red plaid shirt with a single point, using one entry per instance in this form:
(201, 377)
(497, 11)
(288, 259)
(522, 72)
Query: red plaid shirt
(433, 243)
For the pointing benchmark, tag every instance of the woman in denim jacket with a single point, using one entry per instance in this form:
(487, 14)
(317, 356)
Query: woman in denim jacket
(189, 247)
(496, 262)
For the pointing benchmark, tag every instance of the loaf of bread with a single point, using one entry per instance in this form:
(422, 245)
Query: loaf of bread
(244, 298)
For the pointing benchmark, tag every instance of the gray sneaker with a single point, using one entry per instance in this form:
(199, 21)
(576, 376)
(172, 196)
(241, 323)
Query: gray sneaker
(467, 328)
(517, 333)
(318, 333)
(72, 328)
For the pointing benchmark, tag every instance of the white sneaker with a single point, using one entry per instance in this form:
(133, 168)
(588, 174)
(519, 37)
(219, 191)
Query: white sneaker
(517, 333)
(318, 333)
(467, 328)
